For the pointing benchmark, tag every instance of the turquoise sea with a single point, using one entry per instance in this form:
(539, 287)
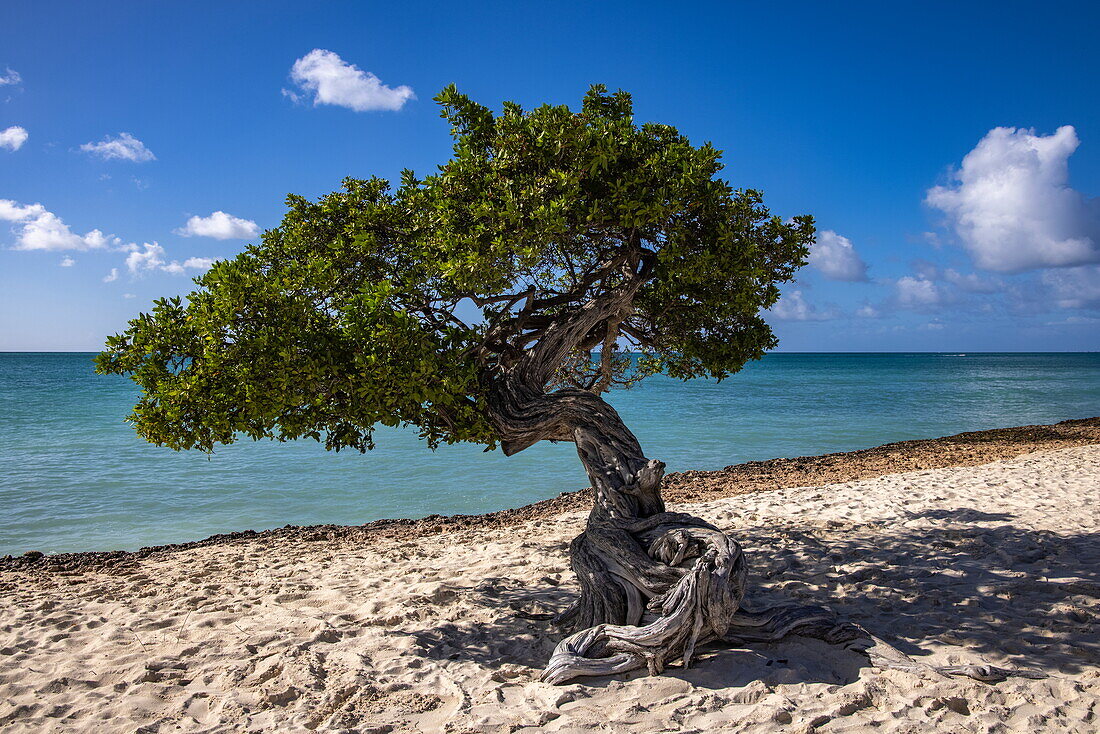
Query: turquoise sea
(74, 476)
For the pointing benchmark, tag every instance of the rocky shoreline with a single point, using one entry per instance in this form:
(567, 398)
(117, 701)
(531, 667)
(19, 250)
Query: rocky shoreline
(964, 449)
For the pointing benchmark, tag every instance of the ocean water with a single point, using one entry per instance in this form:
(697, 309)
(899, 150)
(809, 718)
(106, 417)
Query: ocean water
(74, 476)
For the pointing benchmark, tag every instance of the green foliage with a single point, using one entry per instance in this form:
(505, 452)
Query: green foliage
(344, 316)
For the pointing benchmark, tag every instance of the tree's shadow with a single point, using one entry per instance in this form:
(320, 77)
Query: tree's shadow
(508, 638)
(996, 593)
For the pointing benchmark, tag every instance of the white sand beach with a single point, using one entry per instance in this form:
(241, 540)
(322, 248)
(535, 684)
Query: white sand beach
(997, 563)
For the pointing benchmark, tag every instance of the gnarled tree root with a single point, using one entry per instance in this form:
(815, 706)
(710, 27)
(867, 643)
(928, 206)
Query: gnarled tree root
(702, 605)
(667, 619)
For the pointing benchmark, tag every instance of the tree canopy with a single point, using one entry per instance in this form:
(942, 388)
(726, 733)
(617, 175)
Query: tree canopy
(577, 235)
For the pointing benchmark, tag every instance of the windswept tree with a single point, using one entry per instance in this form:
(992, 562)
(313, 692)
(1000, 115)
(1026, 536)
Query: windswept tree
(597, 251)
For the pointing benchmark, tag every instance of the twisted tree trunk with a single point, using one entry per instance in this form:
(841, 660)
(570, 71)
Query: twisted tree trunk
(654, 584)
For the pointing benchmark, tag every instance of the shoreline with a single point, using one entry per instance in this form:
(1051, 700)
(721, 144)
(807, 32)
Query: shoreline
(994, 564)
(970, 448)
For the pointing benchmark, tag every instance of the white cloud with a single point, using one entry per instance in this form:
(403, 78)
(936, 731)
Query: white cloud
(151, 257)
(333, 81)
(198, 263)
(867, 311)
(13, 138)
(1012, 208)
(915, 292)
(793, 307)
(967, 282)
(220, 226)
(125, 147)
(36, 228)
(10, 78)
(11, 211)
(836, 258)
(128, 295)
(1074, 287)
(970, 282)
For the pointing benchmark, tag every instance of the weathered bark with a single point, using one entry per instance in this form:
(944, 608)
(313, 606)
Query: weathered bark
(654, 584)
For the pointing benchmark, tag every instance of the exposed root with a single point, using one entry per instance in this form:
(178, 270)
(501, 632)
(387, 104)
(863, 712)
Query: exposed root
(697, 608)
(690, 616)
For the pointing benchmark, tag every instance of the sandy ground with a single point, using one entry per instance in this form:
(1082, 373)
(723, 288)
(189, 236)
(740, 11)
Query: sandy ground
(998, 563)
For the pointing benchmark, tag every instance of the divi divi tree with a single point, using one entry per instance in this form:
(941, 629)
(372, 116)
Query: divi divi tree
(593, 251)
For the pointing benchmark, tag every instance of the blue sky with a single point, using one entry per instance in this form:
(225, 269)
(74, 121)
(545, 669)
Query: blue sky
(950, 152)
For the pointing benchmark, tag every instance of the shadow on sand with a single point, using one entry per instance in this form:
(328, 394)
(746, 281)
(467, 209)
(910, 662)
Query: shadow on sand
(997, 592)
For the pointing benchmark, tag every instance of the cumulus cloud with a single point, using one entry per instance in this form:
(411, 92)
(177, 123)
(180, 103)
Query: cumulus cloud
(333, 81)
(1011, 206)
(1074, 287)
(220, 226)
(13, 138)
(198, 263)
(10, 78)
(836, 258)
(966, 282)
(11, 211)
(124, 147)
(151, 257)
(794, 307)
(916, 292)
(35, 228)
